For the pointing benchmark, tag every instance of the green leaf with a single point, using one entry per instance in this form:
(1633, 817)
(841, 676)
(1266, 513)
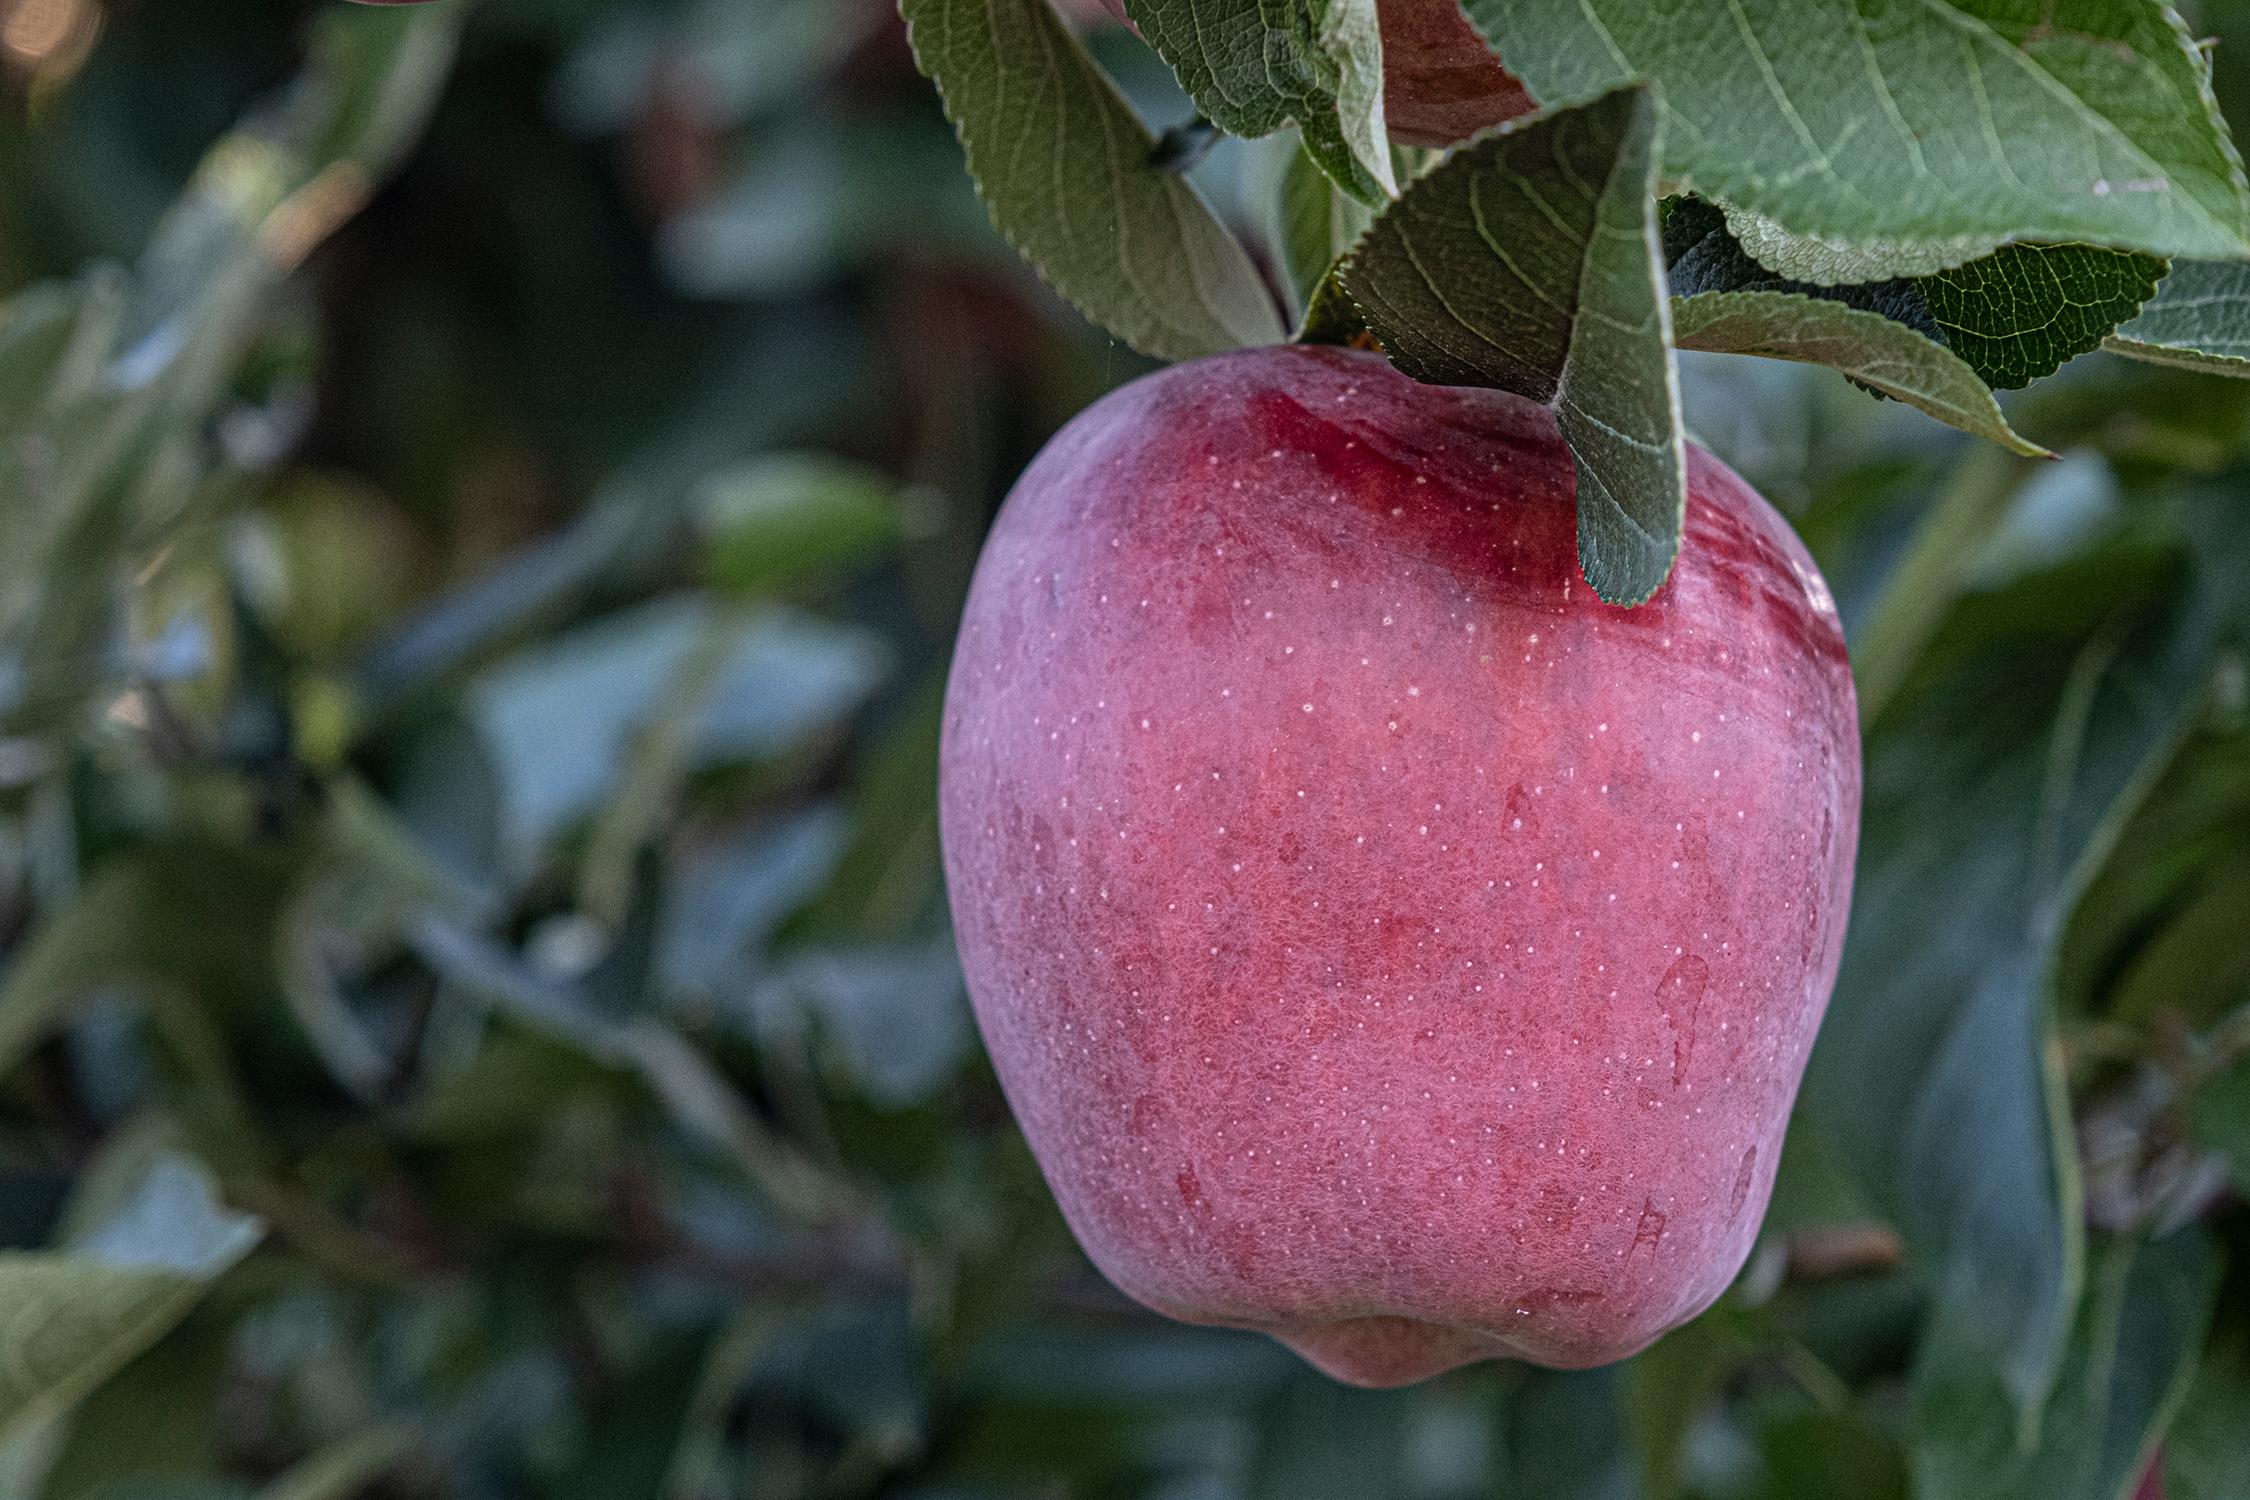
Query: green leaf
(2126, 1369)
(1868, 347)
(1528, 261)
(1252, 66)
(1947, 127)
(1321, 1440)
(2207, 1450)
(1564, 1433)
(2178, 851)
(154, 1417)
(1063, 165)
(785, 517)
(1826, 262)
(2022, 311)
(1316, 225)
(1934, 1073)
(691, 1090)
(178, 918)
(2199, 319)
(71, 1318)
(344, 1468)
(2003, 319)
(2219, 1115)
(561, 719)
(2198, 961)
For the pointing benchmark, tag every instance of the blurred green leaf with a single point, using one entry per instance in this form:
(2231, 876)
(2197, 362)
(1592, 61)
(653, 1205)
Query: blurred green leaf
(2207, 1451)
(1542, 237)
(788, 517)
(1065, 168)
(560, 719)
(344, 1468)
(898, 1017)
(1564, 1433)
(1321, 1440)
(2219, 1113)
(1830, 1454)
(698, 1099)
(1934, 1072)
(818, 197)
(154, 1417)
(174, 918)
(2123, 1374)
(71, 1318)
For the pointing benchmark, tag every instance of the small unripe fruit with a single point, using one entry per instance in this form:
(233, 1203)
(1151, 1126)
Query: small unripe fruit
(1383, 943)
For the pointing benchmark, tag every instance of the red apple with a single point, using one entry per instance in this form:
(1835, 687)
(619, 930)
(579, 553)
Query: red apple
(1383, 943)
(1441, 83)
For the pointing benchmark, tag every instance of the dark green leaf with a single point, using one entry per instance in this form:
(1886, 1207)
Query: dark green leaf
(2207, 1451)
(1528, 261)
(2020, 312)
(1564, 1433)
(2220, 1116)
(1921, 139)
(2007, 317)
(1064, 167)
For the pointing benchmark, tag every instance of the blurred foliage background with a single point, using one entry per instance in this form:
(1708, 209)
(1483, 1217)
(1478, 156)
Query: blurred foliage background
(484, 499)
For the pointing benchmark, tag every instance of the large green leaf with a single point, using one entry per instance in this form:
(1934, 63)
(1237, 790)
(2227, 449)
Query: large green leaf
(1064, 166)
(2200, 318)
(2124, 1373)
(1529, 261)
(1927, 133)
(2207, 1451)
(1253, 66)
(70, 1318)
(2048, 706)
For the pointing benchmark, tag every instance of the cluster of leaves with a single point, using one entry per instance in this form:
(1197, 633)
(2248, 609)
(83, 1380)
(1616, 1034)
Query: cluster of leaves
(477, 1015)
(1939, 204)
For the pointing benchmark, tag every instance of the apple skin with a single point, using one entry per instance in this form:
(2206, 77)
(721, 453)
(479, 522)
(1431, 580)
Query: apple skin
(1441, 83)
(1383, 943)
